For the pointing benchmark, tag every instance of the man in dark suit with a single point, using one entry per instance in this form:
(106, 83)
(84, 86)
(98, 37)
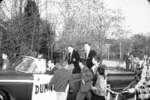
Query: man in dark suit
(127, 61)
(74, 58)
(89, 54)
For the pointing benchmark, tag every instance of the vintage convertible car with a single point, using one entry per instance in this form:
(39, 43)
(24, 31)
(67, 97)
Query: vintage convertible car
(120, 81)
(24, 83)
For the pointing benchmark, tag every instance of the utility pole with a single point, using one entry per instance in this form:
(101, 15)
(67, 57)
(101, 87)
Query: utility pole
(120, 45)
(48, 42)
(1, 33)
(35, 25)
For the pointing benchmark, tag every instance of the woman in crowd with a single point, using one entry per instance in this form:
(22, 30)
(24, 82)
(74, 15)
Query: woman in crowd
(99, 88)
(96, 62)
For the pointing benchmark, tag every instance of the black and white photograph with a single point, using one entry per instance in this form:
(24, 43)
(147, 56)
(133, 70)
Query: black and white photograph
(74, 49)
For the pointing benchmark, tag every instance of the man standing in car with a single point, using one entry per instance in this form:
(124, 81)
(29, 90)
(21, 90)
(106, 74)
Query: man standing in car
(74, 58)
(89, 54)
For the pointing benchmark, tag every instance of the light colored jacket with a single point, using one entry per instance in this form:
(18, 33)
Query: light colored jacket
(100, 86)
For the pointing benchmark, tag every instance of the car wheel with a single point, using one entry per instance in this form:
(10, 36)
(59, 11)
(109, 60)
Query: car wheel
(3, 96)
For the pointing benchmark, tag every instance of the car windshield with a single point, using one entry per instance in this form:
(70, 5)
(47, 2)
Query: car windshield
(26, 65)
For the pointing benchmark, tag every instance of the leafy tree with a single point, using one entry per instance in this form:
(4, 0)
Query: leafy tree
(30, 23)
(26, 32)
(138, 45)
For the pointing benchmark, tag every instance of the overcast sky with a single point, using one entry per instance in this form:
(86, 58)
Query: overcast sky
(137, 13)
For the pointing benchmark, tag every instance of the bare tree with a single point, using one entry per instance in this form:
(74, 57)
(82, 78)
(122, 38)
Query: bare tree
(89, 20)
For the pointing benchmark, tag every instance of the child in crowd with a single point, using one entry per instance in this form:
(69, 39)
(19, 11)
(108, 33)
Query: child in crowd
(51, 67)
(86, 82)
(5, 62)
(60, 80)
(100, 87)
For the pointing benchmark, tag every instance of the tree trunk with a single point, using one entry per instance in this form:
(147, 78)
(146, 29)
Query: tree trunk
(1, 34)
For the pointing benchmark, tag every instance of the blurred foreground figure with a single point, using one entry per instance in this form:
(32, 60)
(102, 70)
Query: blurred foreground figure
(143, 86)
(86, 83)
(60, 81)
(5, 62)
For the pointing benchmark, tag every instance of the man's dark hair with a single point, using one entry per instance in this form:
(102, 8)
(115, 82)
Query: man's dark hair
(101, 70)
(70, 45)
(87, 43)
(83, 61)
(97, 58)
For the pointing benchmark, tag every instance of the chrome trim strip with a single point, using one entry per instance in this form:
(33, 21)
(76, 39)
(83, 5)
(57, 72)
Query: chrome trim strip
(17, 81)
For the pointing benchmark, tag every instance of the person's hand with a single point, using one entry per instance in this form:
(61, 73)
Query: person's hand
(132, 90)
(74, 59)
(93, 88)
(83, 82)
(93, 69)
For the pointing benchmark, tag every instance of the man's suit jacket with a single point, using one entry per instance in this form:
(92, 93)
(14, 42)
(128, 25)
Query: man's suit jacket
(74, 59)
(89, 62)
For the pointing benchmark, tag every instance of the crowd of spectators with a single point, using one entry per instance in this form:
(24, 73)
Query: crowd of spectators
(92, 83)
(140, 85)
(86, 79)
(134, 62)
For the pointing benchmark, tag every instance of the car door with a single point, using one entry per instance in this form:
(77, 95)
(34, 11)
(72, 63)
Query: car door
(41, 89)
